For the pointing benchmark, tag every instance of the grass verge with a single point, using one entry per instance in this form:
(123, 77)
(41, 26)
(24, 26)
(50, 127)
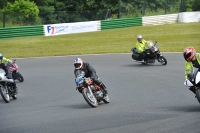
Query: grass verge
(170, 37)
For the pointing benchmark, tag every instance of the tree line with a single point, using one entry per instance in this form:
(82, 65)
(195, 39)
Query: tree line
(62, 11)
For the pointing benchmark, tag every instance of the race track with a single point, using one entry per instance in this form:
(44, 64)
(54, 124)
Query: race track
(143, 98)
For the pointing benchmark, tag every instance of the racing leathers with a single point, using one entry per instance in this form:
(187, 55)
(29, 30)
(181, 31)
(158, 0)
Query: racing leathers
(189, 67)
(90, 72)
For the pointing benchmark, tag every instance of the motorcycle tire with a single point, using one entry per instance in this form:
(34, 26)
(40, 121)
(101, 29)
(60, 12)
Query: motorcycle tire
(162, 60)
(4, 94)
(20, 78)
(89, 98)
(197, 92)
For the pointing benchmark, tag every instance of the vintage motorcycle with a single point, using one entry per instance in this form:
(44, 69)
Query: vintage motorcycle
(152, 53)
(13, 67)
(7, 88)
(92, 93)
(194, 82)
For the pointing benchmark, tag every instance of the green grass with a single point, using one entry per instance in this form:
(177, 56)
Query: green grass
(170, 37)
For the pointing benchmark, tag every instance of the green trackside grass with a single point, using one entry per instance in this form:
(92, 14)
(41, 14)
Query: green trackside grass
(170, 37)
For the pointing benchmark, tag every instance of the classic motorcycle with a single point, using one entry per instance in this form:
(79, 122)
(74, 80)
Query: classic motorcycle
(152, 53)
(194, 82)
(7, 88)
(92, 93)
(13, 67)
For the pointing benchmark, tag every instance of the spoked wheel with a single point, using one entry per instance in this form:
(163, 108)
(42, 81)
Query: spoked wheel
(106, 99)
(162, 60)
(198, 94)
(20, 77)
(4, 94)
(89, 97)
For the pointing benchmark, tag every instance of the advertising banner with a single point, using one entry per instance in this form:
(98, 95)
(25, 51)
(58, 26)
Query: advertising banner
(69, 28)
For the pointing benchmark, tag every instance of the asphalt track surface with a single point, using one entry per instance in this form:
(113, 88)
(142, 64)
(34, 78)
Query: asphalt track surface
(143, 98)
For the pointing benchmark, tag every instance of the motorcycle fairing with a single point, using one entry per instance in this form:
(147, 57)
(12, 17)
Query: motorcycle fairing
(197, 79)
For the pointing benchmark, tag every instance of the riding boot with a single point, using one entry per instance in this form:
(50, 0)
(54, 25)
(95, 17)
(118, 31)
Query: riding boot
(103, 87)
(15, 87)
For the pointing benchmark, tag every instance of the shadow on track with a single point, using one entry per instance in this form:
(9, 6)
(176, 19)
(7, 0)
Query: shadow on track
(142, 65)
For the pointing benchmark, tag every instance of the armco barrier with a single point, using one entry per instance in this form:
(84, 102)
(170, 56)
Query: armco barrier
(160, 19)
(23, 31)
(121, 23)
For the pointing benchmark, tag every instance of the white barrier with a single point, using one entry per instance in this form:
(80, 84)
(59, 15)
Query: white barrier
(187, 17)
(70, 28)
(160, 19)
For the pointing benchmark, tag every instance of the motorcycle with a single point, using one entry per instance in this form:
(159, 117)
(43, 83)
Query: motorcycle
(92, 93)
(7, 88)
(152, 53)
(13, 67)
(194, 82)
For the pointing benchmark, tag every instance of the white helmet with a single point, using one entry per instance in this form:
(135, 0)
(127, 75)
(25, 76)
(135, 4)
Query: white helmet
(78, 63)
(139, 38)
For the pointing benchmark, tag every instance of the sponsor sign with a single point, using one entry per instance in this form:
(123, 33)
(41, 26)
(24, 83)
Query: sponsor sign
(69, 28)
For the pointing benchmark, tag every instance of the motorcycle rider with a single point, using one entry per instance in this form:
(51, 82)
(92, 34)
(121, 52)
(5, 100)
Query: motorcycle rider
(89, 72)
(192, 60)
(141, 47)
(5, 68)
(4, 59)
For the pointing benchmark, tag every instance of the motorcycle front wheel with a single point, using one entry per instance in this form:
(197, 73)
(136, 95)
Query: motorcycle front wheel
(4, 94)
(89, 97)
(162, 60)
(20, 78)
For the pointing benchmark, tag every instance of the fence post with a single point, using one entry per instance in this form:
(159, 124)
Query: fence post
(58, 16)
(144, 7)
(107, 14)
(166, 6)
(119, 9)
(4, 19)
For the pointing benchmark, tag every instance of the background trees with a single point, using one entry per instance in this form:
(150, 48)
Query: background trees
(60, 11)
(22, 10)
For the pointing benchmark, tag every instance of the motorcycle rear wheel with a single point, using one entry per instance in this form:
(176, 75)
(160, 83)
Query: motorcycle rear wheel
(197, 92)
(89, 98)
(4, 94)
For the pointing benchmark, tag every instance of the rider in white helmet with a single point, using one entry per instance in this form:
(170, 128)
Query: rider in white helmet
(89, 72)
(141, 46)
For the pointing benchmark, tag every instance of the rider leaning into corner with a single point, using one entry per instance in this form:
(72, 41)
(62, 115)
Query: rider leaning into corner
(89, 72)
(192, 60)
(5, 68)
(141, 47)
